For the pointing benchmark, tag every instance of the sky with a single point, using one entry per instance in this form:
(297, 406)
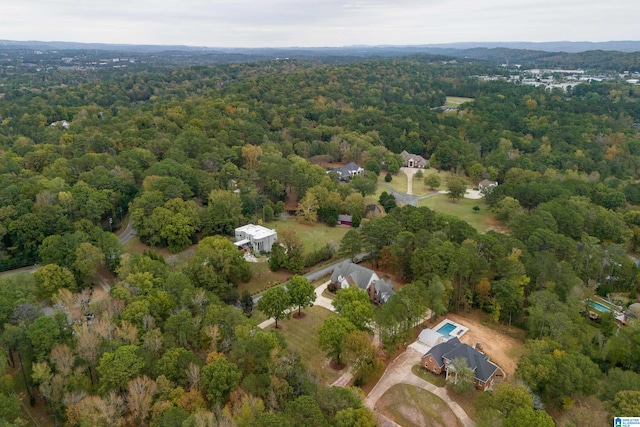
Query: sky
(307, 23)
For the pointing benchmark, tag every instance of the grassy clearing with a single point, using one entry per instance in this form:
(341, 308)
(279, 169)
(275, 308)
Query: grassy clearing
(482, 220)
(466, 400)
(436, 380)
(302, 336)
(262, 278)
(412, 406)
(456, 101)
(398, 183)
(419, 189)
(313, 236)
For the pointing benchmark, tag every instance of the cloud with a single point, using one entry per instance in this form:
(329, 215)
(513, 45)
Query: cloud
(317, 23)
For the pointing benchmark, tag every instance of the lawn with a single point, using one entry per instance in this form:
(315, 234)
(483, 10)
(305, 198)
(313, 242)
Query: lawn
(262, 278)
(456, 101)
(313, 236)
(302, 336)
(408, 405)
(419, 189)
(482, 220)
(398, 183)
(436, 380)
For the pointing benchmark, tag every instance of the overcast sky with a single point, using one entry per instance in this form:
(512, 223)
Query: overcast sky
(279, 23)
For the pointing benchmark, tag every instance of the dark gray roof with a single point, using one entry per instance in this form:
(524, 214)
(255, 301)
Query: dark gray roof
(477, 361)
(384, 290)
(356, 275)
(347, 170)
(438, 351)
(343, 217)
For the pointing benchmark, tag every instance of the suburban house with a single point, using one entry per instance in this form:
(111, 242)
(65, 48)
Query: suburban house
(345, 220)
(486, 185)
(62, 123)
(439, 358)
(413, 160)
(257, 237)
(348, 171)
(350, 274)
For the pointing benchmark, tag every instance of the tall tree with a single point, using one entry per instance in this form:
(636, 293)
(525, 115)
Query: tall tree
(331, 336)
(301, 292)
(275, 302)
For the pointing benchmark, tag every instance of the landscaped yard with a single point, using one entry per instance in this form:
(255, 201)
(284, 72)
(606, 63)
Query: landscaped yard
(302, 336)
(456, 101)
(436, 380)
(313, 236)
(262, 278)
(419, 189)
(398, 183)
(482, 220)
(408, 405)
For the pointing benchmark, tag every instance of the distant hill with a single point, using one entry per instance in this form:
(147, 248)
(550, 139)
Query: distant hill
(559, 46)
(365, 50)
(614, 56)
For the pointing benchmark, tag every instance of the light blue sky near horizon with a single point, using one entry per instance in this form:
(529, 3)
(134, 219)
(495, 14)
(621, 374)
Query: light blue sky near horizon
(279, 23)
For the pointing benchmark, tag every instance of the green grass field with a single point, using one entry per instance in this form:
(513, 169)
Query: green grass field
(398, 183)
(408, 405)
(436, 380)
(456, 101)
(419, 189)
(313, 236)
(262, 278)
(482, 221)
(302, 336)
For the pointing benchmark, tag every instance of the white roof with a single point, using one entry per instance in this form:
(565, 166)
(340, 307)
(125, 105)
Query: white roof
(430, 337)
(256, 231)
(242, 242)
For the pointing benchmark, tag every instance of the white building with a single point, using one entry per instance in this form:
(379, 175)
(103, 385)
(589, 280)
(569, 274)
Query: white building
(256, 236)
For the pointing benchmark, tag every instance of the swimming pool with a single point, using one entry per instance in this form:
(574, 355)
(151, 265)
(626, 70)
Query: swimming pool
(446, 329)
(599, 307)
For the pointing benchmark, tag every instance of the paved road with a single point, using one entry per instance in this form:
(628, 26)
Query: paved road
(319, 274)
(127, 234)
(399, 372)
(409, 173)
(30, 269)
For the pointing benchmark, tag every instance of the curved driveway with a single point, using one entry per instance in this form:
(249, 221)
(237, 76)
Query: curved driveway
(399, 372)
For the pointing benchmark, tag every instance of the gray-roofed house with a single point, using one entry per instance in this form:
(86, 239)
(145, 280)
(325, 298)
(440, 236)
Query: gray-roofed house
(439, 358)
(413, 160)
(351, 274)
(486, 185)
(348, 171)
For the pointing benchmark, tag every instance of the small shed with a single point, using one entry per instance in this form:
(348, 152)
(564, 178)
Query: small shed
(345, 220)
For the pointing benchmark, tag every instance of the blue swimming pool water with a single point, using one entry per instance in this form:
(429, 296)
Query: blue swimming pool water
(446, 329)
(599, 306)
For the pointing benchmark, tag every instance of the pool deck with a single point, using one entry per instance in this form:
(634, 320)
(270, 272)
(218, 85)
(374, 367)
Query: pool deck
(457, 332)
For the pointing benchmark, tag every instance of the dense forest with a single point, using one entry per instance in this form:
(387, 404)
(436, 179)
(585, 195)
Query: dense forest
(188, 154)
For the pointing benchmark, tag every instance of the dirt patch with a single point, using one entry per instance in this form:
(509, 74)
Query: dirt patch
(299, 316)
(410, 406)
(502, 344)
(336, 366)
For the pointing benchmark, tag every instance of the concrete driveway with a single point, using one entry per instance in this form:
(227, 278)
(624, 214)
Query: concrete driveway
(399, 372)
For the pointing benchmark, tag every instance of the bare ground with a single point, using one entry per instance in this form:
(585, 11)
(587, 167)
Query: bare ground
(501, 346)
(410, 406)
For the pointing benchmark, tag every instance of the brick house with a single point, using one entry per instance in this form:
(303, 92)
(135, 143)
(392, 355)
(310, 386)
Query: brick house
(438, 360)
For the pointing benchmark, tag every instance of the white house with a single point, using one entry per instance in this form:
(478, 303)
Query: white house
(260, 238)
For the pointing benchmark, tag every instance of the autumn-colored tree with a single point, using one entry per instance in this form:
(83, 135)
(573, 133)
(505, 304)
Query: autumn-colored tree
(140, 392)
(251, 155)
